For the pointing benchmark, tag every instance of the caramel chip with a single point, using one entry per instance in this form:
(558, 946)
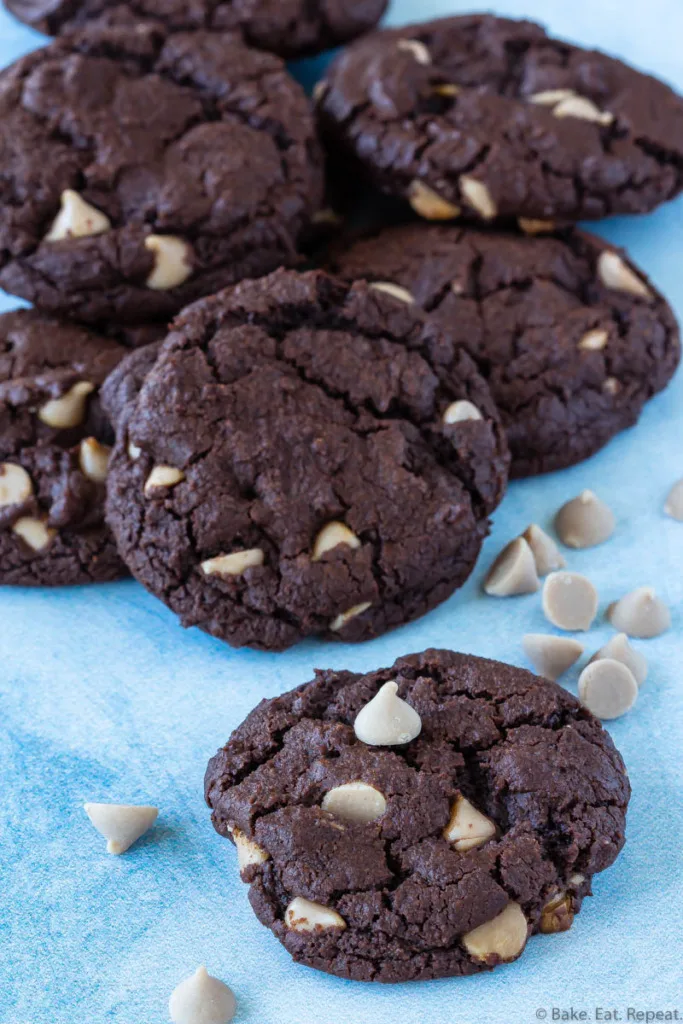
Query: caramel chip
(619, 649)
(551, 655)
(640, 613)
(570, 601)
(547, 555)
(607, 688)
(674, 503)
(585, 521)
(513, 572)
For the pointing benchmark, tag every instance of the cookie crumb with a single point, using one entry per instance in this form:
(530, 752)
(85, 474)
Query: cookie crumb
(570, 601)
(513, 572)
(202, 999)
(550, 655)
(387, 721)
(121, 824)
(641, 614)
(607, 688)
(585, 521)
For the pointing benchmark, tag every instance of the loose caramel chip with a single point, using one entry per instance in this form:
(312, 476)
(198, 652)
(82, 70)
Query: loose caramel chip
(641, 614)
(674, 503)
(121, 824)
(202, 999)
(607, 688)
(585, 521)
(619, 649)
(547, 555)
(550, 655)
(513, 572)
(570, 601)
(501, 939)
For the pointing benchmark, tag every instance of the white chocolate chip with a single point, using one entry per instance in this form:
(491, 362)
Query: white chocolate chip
(248, 852)
(607, 688)
(69, 410)
(355, 801)
(619, 649)
(479, 197)
(616, 274)
(395, 290)
(547, 555)
(134, 451)
(305, 916)
(344, 618)
(674, 502)
(163, 476)
(570, 601)
(550, 655)
(551, 97)
(93, 459)
(513, 572)
(332, 536)
(418, 50)
(460, 412)
(15, 484)
(583, 109)
(429, 204)
(202, 999)
(386, 720)
(576, 880)
(557, 914)
(33, 532)
(594, 341)
(121, 824)
(172, 262)
(611, 386)
(503, 938)
(319, 90)
(641, 614)
(467, 827)
(76, 219)
(234, 564)
(534, 226)
(585, 521)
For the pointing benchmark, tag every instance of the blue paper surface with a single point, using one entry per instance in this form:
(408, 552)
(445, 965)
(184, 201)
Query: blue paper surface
(104, 697)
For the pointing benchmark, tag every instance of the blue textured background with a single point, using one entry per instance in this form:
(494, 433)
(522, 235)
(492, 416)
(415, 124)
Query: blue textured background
(104, 697)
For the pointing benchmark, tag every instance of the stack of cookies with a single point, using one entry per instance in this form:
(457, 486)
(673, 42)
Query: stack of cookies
(278, 452)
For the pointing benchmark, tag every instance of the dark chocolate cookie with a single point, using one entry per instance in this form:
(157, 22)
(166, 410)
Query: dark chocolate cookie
(570, 336)
(382, 856)
(491, 117)
(123, 385)
(54, 448)
(290, 28)
(306, 457)
(180, 166)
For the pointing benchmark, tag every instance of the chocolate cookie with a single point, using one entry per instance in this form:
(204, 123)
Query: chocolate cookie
(141, 174)
(291, 28)
(306, 457)
(570, 336)
(429, 851)
(491, 117)
(54, 448)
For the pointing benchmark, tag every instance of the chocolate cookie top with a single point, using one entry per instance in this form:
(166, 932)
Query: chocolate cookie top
(141, 174)
(54, 449)
(570, 336)
(291, 28)
(426, 855)
(311, 459)
(492, 117)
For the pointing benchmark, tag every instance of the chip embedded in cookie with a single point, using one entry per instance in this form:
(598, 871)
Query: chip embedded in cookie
(290, 28)
(571, 337)
(293, 455)
(54, 453)
(145, 171)
(486, 117)
(434, 854)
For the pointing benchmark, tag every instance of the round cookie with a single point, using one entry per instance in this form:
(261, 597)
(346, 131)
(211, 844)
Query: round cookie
(54, 445)
(426, 859)
(571, 337)
(290, 28)
(296, 455)
(492, 117)
(141, 174)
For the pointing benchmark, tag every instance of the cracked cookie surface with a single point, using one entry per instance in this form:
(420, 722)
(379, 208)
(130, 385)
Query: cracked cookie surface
(293, 471)
(570, 358)
(290, 28)
(521, 750)
(54, 442)
(493, 117)
(140, 174)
